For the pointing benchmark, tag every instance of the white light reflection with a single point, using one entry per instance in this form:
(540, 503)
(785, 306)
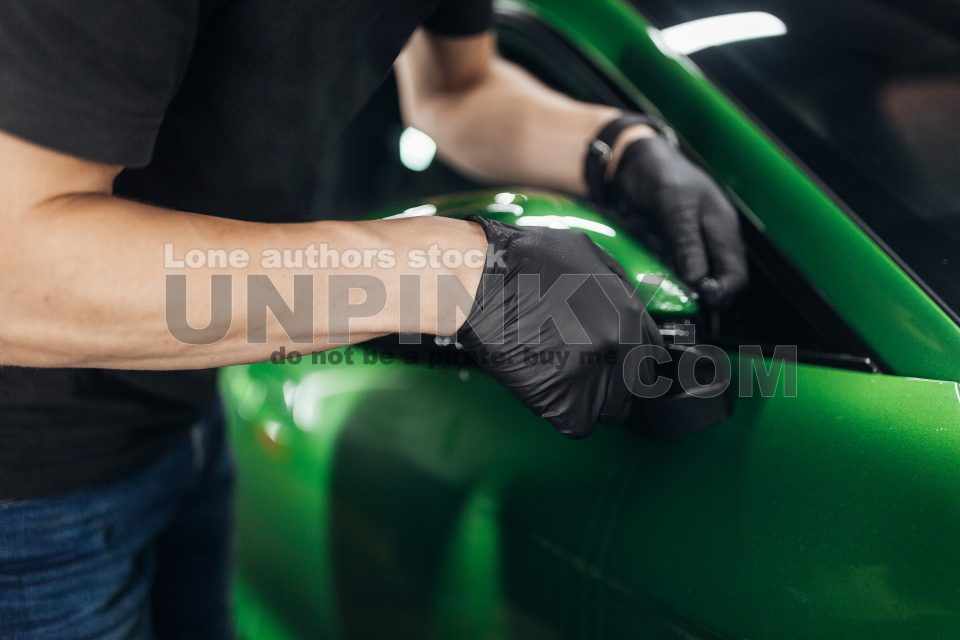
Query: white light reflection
(510, 208)
(566, 222)
(310, 407)
(696, 35)
(415, 212)
(289, 393)
(273, 428)
(417, 149)
(670, 288)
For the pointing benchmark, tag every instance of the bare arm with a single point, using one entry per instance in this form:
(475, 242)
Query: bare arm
(82, 272)
(492, 119)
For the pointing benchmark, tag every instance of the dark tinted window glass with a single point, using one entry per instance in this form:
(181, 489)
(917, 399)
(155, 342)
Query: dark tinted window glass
(867, 94)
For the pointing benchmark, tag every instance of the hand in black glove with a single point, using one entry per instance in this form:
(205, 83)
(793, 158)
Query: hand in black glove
(553, 320)
(654, 177)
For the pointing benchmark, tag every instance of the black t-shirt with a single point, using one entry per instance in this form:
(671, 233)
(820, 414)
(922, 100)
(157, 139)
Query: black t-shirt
(223, 107)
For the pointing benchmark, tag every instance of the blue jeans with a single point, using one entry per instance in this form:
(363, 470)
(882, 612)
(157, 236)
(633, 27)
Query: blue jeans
(147, 556)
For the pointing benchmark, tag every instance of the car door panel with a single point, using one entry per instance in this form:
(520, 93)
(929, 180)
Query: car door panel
(427, 499)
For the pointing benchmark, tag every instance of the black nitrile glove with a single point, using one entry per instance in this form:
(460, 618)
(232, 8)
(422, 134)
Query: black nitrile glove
(568, 370)
(699, 224)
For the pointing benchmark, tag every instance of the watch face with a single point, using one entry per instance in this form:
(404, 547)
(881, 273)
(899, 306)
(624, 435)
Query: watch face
(595, 170)
(601, 149)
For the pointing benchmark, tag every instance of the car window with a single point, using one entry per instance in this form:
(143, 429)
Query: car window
(864, 92)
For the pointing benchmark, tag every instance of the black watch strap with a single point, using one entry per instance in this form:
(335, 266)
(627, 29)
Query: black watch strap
(600, 151)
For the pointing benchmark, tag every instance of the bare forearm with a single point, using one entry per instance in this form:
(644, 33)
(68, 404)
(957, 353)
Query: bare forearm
(85, 281)
(494, 120)
(512, 128)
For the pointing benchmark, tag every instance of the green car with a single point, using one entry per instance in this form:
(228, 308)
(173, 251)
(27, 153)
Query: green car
(412, 497)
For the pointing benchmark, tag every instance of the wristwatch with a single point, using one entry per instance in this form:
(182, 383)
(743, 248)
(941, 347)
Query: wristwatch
(600, 151)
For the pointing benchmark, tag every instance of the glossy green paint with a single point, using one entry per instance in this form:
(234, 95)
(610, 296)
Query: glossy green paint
(427, 502)
(893, 315)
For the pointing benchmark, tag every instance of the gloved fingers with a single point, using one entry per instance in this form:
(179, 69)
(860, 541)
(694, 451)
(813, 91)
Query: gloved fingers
(721, 228)
(640, 329)
(681, 222)
(652, 330)
(631, 372)
(581, 411)
(616, 402)
(628, 372)
(631, 287)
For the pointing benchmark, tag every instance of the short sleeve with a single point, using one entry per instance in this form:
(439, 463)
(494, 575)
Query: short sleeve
(461, 18)
(93, 78)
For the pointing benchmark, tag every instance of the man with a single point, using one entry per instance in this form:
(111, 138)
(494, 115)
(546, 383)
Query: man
(127, 127)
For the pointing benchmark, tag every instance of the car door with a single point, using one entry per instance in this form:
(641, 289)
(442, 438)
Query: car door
(420, 499)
